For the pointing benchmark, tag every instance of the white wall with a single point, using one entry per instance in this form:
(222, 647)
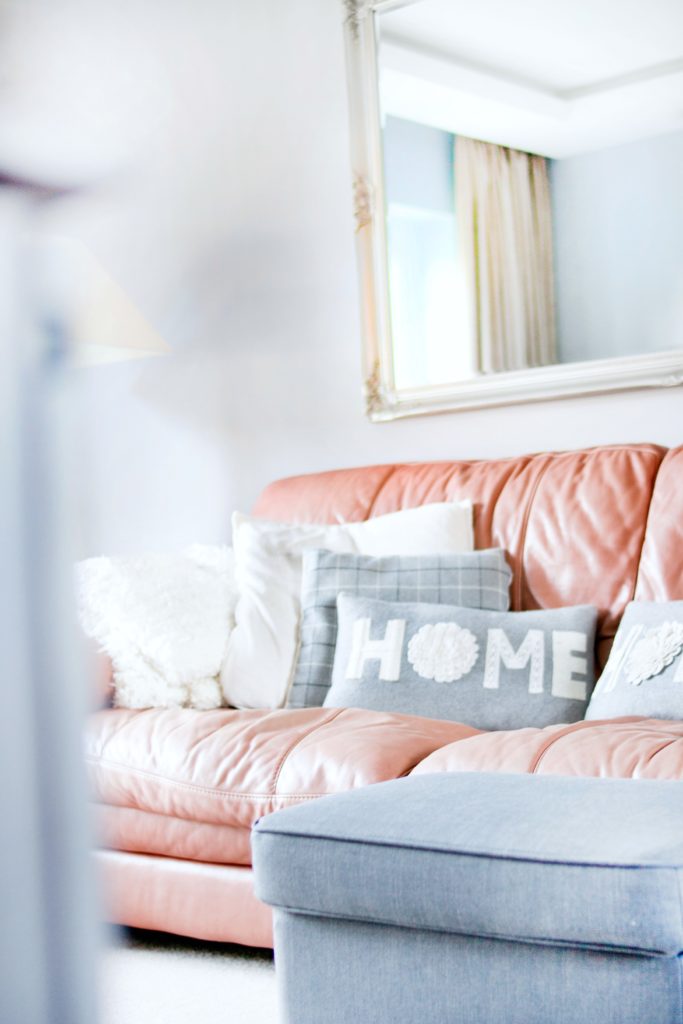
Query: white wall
(264, 380)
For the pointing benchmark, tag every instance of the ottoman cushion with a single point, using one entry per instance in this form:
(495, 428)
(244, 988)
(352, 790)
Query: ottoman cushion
(587, 862)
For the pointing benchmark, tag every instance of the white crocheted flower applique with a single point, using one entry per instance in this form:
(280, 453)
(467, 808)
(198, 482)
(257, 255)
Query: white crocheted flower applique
(444, 652)
(654, 652)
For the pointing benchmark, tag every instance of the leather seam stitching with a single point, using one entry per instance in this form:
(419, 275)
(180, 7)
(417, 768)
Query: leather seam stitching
(653, 754)
(280, 764)
(199, 822)
(497, 498)
(647, 523)
(567, 731)
(193, 787)
(525, 525)
(579, 727)
(380, 487)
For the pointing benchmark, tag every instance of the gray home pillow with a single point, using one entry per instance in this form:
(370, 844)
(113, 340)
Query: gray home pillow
(491, 670)
(478, 579)
(644, 674)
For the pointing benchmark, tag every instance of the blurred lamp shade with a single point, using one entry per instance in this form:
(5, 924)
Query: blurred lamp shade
(104, 324)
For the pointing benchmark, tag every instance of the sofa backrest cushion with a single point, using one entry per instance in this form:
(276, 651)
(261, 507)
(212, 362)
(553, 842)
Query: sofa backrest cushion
(597, 526)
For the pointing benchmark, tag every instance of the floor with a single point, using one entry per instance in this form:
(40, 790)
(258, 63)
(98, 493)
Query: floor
(150, 978)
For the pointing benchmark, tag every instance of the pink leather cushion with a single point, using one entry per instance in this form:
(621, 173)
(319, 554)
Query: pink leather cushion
(214, 902)
(573, 523)
(622, 748)
(128, 828)
(660, 576)
(228, 768)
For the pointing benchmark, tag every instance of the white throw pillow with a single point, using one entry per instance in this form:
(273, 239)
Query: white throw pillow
(164, 620)
(261, 655)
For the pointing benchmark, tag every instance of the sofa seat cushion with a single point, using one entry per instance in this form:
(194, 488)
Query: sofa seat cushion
(586, 862)
(228, 768)
(136, 831)
(620, 748)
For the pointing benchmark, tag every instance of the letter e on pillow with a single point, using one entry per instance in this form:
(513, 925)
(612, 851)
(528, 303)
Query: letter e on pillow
(569, 661)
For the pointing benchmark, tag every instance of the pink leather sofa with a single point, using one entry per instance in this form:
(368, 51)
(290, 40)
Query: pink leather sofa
(177, 791)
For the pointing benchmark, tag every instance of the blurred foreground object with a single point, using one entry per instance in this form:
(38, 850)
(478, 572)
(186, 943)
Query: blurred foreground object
(49, 931)
(105, 326)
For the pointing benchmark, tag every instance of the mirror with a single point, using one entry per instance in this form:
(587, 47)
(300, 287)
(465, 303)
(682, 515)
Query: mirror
(518, 181)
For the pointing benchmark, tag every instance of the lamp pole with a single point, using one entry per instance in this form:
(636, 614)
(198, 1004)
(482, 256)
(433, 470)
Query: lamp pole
(49, 931)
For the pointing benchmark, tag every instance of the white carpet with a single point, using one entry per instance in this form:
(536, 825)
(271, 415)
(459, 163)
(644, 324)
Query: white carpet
(149, 978)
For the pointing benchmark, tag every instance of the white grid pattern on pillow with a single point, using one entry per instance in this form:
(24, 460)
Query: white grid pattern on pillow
(478, 579)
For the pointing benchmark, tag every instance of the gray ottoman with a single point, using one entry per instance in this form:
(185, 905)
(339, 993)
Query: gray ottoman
(479, 899)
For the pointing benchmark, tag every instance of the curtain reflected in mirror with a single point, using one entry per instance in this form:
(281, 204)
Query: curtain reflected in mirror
(470, 258)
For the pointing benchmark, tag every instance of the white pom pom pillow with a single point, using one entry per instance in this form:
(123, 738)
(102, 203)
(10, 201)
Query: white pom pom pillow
(164, 620)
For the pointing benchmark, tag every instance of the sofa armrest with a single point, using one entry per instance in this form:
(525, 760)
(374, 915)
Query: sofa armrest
(99, 673)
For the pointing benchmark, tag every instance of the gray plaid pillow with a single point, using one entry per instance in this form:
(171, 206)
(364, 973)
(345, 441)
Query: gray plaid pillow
(478, 579)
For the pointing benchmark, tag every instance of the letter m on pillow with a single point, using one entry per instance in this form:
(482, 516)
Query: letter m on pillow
(387, 650)
(499, 651)
(569, 661)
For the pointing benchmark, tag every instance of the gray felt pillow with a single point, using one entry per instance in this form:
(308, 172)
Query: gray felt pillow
(478, 579)
(644, 674)
(492, 670)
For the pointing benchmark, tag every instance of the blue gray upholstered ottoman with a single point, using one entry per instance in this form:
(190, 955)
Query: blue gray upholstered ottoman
(479, 899)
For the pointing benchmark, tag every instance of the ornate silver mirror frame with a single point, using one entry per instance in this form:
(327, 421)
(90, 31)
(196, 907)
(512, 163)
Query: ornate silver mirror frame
(384, 401)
